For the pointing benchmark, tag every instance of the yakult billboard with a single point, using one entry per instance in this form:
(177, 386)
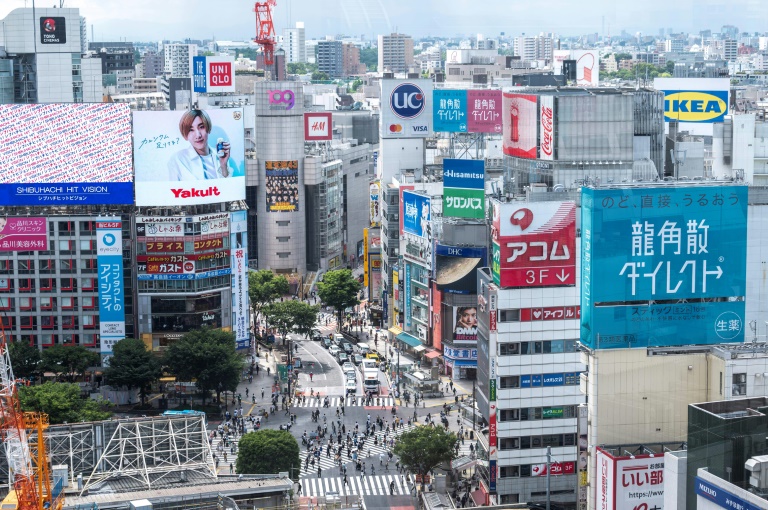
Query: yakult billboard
(189, 157)
(519, 131)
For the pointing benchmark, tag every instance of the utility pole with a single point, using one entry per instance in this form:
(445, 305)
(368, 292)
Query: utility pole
(473, 406)
(290, 366)
(549, 465)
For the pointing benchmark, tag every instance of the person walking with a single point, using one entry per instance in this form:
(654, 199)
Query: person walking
(319, 472)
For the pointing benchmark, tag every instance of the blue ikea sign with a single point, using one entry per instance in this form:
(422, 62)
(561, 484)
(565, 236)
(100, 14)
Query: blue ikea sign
(695, 106)
(663, 266)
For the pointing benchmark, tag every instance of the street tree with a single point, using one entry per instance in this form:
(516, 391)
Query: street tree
(132, 365)
(62, 403)
(69, 361)
(267, 451)
(207, 356)
(287, 316)
(25, 359)
(424, 448)
(340, 290)
(264, 287)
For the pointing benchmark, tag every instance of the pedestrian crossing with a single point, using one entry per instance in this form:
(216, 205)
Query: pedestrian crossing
(370, 450)
(348, 401)
(371, 485)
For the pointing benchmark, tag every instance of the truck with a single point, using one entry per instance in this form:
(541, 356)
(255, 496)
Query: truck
(371, 380)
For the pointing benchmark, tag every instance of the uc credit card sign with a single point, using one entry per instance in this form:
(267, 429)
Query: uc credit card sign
(663, 266)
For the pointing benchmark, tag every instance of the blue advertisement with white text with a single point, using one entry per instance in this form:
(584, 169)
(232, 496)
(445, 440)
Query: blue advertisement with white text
(416, 213)
(449, 110)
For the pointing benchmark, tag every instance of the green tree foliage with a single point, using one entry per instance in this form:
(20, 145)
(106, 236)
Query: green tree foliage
(300, 68)
(320, 76)
(370, 57)
(132, 366)
(670, 66)
(264, 287)
(25, 359)
(62, 403)
(69, 361)
(339, 289)
(424, 448)
(267, 451)
(285, 316)
(623, 56)
(207, 356)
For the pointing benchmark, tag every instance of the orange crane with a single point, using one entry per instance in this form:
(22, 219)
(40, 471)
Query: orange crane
(29, 474)
(265, 30)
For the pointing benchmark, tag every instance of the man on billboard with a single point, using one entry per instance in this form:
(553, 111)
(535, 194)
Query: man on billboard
(465, 326)
(199, 161)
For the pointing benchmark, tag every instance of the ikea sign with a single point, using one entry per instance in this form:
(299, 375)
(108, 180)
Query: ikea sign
(695, 106)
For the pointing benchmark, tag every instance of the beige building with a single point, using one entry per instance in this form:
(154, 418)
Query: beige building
(350, 60)
(395, 53)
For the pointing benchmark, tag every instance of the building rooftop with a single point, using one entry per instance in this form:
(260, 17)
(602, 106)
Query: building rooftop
(732, 409)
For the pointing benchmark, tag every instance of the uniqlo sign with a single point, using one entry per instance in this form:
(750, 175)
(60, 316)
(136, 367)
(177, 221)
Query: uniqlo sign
(318, 126)
(213, 74)
(536, 243)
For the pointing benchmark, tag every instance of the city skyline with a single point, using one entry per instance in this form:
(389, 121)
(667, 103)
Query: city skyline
(143, 20)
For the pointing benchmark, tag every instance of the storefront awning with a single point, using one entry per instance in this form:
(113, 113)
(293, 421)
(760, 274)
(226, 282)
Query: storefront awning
(408, 339)
(432, 354)
(465, 363)
(395, 330)
(419, 348)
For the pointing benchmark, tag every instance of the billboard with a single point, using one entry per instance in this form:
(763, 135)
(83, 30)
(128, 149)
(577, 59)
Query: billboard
(189, 157)
(534, 244)
(628, 483)
(213, 74)
(464, 188)
(407, 296)
(65, 154)
(406, 108)
(318, 126)
(696, 100)
(23, 234)
(465, 323)
(416, 214)
(109, 258)
(375, 293)
(240, 309)
(282, 185)
(484, 111)
(449, 110)
(669, 266)
(375, 214)
(53, 30)
(547, 122)
(587, 67)
(456, 266)
(365, 258)
(519, 125)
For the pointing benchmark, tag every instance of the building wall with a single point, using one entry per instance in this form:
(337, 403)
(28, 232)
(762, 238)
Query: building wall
(329, 58)
(395, 53)
(294, 42)
(178, 59)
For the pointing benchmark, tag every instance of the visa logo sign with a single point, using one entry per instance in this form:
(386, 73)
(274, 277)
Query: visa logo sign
(420, 129)
(695, 106)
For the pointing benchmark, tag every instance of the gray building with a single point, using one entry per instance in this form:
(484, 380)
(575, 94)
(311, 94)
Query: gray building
(330, 58)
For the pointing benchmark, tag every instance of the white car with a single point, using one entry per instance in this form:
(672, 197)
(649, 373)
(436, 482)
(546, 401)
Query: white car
(350, 375)
(333, 350)
(350, 386)
(346, 367)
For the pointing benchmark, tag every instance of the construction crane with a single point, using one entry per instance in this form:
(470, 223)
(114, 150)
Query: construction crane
(29, 474)
(265, 30)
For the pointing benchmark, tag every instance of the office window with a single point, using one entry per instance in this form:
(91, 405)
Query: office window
(509, 471)
(26, 266)
(69, 284)
(510, 381)
(47, 303)
(6, 266)
(88, 283)
(512, 349)
(89, 302)
(47, 266)
(89, 321)
(739, 385)
(509, 443)
(509, 414)
(6, 303)
(509, 315)
(29, 322)
(27, 303)
(26, 284)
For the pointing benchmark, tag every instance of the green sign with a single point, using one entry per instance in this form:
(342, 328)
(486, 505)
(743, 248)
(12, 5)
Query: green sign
(464, 203)
(496, 264)
(492, 387)
(282, 371)
(552, 412)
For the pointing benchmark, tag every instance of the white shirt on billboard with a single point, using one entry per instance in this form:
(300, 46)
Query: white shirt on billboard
(188, 165)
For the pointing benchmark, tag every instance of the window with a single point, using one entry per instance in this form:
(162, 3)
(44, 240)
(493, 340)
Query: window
(509, 471)
(68, 265)
(48, 321)
(26, 266)
(69, 322)
(509, 443)
(6, 284)
(453, 71)
(511, 381)
(509, 414)
(88, 283)
(89, 302)
(29, 322)
(6, 303)
(47, 303)
(6, 321)
(47, 266)
(6, 266)
(26, 284)
(66, 246)
(89, 321)
(66, 228)
(87, 227)
(509, 315)
(509, 349)
(88, 266)
(69, 284)
(87, 246)
(27, 303)
(739, 385)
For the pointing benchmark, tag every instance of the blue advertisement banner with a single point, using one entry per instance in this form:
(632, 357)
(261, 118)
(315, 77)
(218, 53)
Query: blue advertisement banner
(199, 71)
(109, 258)
(193, 276)
(492, 470)
(464, 173)
(407, 297)
(416, 213)
(549, 380)
(656, 247)
(449, 110)
(722, 497)
(467, 252)
(67, 193)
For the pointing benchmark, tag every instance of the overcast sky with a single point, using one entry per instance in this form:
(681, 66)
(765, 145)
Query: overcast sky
(151, 20)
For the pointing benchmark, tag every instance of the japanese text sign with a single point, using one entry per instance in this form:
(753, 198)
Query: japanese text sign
(109, 258)
(464, 188)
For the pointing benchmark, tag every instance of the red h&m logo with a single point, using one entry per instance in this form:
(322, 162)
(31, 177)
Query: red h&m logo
(220, 74)
(318, 126)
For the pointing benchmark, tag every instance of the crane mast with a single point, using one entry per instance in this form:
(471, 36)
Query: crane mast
(265, 29)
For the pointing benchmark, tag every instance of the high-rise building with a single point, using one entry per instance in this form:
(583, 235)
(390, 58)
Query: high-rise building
(395, 53)
(329, 58)
(350, 56)
(730, 50)
(294, 43)
(178, 59)
(533, 48)
(153, 64)
(47, 59)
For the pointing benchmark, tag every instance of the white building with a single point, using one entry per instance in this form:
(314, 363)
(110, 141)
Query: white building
(178, 59)
(294, 44)
(534, 48)
(395, 53)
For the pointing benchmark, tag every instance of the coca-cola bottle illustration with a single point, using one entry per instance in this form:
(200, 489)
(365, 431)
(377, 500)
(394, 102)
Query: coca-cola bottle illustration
(514, 134)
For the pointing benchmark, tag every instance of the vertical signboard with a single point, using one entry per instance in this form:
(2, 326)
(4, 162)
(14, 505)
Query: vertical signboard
(492, 421)
(536, 243)
(670, 266)
(416, 214)
(464, 188)
(519, 116)
(449, 110)
(199, 75)
(406, 108)
(375, 215)
(407, 297)
(365, 258)
(484, 111)
(239, 251)
(53, 30)
(375, 276)
(547, 122)
(109, 258)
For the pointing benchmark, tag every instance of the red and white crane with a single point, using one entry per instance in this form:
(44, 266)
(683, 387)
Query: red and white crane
(265, 30)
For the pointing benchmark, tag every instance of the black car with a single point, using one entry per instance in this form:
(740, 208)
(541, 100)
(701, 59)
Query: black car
(326, 342)
(318, 337)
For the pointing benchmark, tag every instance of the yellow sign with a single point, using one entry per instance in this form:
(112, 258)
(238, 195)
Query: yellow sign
(365, 257)
(695, 106)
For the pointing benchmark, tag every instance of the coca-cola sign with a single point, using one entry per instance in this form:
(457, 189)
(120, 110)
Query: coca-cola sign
(546, 118)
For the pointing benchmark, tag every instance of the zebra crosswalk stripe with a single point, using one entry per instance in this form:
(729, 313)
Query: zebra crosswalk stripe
(373, 485)
(348, 402)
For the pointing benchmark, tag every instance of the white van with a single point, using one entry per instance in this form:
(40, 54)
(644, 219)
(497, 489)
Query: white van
(338, 338)
(363, 348)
